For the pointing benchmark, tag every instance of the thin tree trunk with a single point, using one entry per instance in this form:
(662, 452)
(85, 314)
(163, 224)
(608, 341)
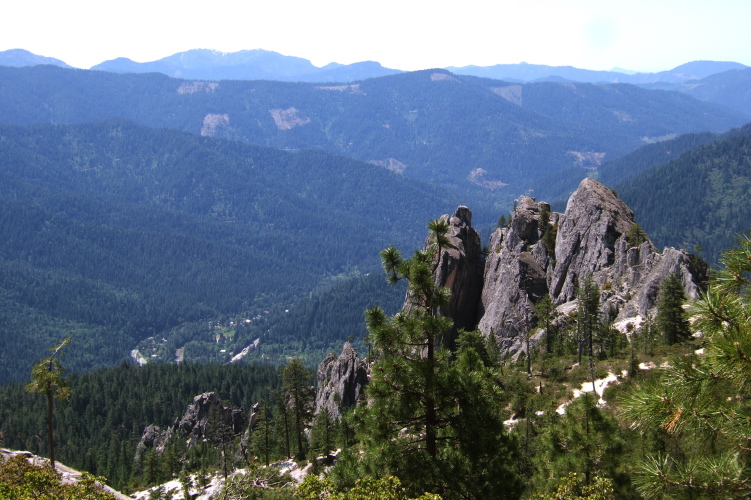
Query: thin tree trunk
(49, 427)
(286, 433)
(298, 426)
(430, 417)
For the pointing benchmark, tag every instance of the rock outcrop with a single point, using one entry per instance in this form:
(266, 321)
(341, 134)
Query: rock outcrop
(194, 424)
(590, 242)
(341, 381)
(539, 253)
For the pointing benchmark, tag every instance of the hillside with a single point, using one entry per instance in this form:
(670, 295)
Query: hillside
(495, 139)
(113, 232)
(698, 198)
(99, 428)
(731, 88)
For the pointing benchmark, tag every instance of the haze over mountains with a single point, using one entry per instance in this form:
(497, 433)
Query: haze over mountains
(259, 64)
(494, 138)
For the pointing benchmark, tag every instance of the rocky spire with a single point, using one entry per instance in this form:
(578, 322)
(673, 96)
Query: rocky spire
(460, 270)
(341, 381)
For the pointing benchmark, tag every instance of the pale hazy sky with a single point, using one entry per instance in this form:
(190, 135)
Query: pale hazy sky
(645, 35)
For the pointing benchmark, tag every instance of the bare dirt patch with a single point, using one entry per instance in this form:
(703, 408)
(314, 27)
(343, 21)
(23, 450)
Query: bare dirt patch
(437, 77)
(477, 176)
(588, 159)
(212, 122)
(352, 89)
(512, 93)
(287, 119)
(391, 164)
(195, 87)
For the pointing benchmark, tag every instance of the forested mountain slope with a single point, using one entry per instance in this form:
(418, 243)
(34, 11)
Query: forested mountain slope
(479, 134)
(729, 88)
(113, 232)
(700, 198)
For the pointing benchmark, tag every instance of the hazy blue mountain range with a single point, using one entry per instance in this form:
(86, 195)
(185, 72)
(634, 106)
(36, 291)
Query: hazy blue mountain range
(255, 64)
(259, 64)
(494, 138)
(19, 57)
(113, 232)
(525, 72)
(731, 88)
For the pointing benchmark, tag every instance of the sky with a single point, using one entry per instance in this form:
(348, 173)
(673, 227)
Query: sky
(639, 35)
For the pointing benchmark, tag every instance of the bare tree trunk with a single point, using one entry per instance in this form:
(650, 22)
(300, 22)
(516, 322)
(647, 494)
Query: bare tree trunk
(49, 427)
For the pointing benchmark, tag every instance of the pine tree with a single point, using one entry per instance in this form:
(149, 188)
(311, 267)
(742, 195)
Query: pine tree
(282, 420)
(702, 401)
(588, 322)
(545, 314)
(46, 378)
(296, 385)
(433, 417)
(323, 433)
(261, 441)
(671, 318)
(585, 440)
(635, 235)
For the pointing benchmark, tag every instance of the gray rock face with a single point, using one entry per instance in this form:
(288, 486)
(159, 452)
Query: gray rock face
(587, 233)
(460, 269)
(515, 273)
(590, 241)
(341, 381)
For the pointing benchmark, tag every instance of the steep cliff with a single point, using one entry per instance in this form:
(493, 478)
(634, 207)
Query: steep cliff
(460, 269)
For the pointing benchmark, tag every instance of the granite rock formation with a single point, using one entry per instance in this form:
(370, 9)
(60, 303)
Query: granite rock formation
(591, 241)
(539, 253)
(341, 381)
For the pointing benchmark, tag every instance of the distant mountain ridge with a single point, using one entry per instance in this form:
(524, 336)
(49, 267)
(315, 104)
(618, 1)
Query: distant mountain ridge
(525, 72)
(256, 64)
(18, 58)
(259, 64)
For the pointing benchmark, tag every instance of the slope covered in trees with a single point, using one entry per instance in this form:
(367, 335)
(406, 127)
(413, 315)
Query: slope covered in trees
(98, 429)
(113, 232)
(700, 198)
